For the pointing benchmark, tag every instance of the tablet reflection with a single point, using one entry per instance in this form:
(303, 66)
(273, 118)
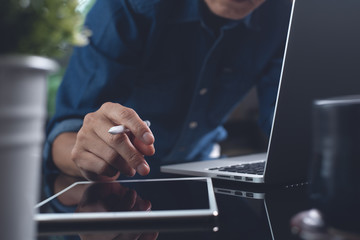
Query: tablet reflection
(111, 197)
(121, 236)
(107, 197)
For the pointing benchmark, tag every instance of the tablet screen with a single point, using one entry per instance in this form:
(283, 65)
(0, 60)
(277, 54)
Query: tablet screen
(130, 200)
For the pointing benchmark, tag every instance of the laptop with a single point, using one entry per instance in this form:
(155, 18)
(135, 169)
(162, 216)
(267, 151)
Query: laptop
(321, 60)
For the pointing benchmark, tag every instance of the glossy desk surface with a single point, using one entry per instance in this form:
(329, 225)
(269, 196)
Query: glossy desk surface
(260, 213)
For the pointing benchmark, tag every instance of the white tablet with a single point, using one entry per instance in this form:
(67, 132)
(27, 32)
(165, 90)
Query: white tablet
(130, 201)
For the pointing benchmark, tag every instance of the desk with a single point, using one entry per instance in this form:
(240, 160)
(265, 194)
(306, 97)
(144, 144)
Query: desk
(240, 217)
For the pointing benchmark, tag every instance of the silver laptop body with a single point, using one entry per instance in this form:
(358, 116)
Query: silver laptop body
(321, 60)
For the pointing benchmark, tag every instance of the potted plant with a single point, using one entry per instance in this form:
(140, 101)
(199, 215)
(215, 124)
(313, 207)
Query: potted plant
(34, 32)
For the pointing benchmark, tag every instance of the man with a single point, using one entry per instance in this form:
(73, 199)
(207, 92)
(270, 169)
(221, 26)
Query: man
(181, 64)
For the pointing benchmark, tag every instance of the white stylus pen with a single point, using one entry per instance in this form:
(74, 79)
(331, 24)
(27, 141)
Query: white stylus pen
(121, 128)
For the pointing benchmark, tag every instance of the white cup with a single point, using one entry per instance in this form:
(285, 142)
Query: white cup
(22, 121)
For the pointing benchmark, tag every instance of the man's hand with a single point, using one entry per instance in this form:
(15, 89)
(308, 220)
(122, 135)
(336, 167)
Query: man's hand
(100, 155)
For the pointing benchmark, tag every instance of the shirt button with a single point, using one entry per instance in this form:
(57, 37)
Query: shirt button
(203, 91)
(227, 70)
(193, 125)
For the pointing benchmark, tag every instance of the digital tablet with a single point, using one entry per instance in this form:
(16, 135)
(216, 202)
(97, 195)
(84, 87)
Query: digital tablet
(150, 201)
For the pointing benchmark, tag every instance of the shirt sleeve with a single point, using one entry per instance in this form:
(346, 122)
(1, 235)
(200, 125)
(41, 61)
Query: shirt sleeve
(267, 89)
(103, 71)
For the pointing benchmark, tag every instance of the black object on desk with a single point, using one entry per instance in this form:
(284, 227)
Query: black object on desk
(335, 187)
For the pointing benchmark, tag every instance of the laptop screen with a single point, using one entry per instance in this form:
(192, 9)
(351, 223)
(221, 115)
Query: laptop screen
(321, 61)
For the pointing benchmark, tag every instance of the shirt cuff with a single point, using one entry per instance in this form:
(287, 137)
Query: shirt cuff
(69, 125)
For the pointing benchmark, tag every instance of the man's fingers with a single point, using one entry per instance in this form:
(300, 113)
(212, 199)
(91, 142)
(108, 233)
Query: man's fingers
(121, 115)
(128, 153)
(99, 152)
(101, 127)
(92, 166)
(122, 145)
(138, 130)
(105, 152)
(147, 150)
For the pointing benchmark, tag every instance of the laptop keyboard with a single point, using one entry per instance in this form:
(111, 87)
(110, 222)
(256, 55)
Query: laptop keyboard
(251, 168)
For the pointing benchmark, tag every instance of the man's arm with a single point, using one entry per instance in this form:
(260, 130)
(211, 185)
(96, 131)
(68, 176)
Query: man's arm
(78, 142)
(61, 152)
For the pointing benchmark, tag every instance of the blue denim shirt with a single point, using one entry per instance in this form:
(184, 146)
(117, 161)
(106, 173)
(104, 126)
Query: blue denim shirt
(160, 58)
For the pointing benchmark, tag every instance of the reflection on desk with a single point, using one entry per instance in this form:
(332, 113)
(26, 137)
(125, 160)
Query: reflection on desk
(311, 225)
(239, 217)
